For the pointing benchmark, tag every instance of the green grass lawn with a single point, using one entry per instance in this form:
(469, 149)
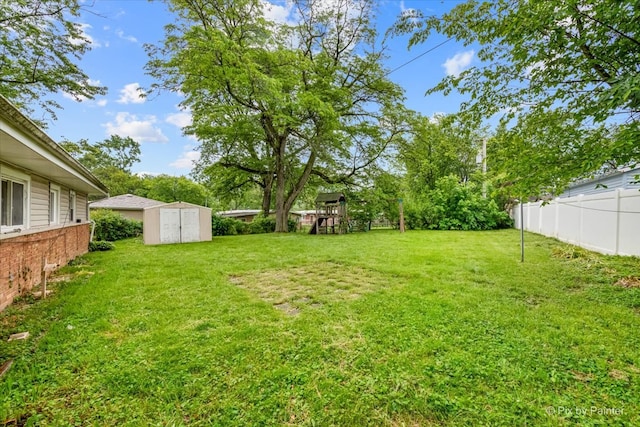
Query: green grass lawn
(416, 329)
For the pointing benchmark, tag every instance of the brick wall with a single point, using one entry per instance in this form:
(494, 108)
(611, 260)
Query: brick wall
(22, 257)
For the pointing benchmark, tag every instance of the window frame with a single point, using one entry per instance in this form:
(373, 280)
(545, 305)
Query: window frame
(73, 208)
(14, 176)
(54, 211)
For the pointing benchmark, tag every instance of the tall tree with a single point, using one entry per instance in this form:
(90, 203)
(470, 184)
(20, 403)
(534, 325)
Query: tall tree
(41, 43)
(110, 160)
(437, 147)
(575, 61)
(310, 97)
(168, 188)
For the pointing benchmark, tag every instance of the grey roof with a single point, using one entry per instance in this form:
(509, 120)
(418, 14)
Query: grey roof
(238, 212)
(125, 202)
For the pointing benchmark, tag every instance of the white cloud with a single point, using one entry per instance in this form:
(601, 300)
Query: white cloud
(141, 130)
(455, 65)
(130, 94)
(180, 120)
(101, 102)
(186, 159)
(280, 14)
(121, 34)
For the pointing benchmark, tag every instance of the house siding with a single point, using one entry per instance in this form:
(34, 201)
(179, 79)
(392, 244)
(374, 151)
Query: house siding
(64, 206)
(39, 215)
(22, 257)
(81, 207)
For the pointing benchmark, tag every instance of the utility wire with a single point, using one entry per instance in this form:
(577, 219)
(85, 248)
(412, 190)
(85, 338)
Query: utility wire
(419, 56)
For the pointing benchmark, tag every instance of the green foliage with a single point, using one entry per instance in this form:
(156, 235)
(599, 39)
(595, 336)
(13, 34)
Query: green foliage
(438, 147)
(100, 245)
(169, 189)
(296, 100)
(110, 160)
(41, 44)
(112, 226)
(560, 69)
(455, 206)
(221, 226)
(268, 225)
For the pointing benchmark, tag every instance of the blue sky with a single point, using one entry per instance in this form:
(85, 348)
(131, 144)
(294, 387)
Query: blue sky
(119, 29)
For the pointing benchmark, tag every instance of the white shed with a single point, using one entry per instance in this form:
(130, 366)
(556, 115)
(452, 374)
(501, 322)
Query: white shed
(177, 222)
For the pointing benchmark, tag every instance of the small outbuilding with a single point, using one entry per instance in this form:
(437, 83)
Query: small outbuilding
(177, 222)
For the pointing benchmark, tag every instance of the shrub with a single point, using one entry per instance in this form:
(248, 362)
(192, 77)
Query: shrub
(455, 206)
(112, 226)
(268, 225)
(221, 226)
(100, 245)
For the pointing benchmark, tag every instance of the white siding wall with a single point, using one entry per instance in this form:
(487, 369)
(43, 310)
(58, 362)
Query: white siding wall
(605, 222)
(39, 202)
(81, 206)
(64, 206)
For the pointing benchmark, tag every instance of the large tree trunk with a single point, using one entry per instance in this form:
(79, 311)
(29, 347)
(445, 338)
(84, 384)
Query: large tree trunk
(266, 194)
(281, 213)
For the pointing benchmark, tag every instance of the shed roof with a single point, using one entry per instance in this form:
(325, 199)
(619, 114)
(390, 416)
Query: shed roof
(125, 202)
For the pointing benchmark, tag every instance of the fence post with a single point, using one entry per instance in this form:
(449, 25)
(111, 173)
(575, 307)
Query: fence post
(580, 219)
(617, 244)
(557, 219)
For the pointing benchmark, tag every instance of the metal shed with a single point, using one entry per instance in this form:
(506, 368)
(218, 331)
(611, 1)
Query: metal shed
(177, 222)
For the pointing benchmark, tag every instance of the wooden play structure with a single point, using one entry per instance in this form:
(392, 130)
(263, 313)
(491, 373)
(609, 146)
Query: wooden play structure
(331, 214)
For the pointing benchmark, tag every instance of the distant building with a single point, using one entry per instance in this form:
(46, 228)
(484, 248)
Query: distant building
(624, 179)
(127, 205)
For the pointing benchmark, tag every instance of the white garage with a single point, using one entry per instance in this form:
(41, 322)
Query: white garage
(177, 222)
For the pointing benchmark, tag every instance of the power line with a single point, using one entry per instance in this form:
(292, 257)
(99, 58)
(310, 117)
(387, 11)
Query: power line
(420, 56)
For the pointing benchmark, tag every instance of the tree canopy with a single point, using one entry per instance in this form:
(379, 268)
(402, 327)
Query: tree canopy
(281, 102)
(571, 66)
(41, 43)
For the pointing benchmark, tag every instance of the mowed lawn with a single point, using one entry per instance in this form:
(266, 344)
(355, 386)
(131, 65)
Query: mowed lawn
(416, 329)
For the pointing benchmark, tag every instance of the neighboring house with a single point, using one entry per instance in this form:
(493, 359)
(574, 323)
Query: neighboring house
(624, 179)
(244, 215)
(248, 215)
(127, 205)
(307, 217)
(43, 203)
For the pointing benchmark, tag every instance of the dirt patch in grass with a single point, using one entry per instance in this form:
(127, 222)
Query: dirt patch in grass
(628, 282)
(310, 287)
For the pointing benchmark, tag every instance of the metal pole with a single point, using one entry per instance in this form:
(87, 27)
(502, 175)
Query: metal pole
(521, 232)
(484, 167)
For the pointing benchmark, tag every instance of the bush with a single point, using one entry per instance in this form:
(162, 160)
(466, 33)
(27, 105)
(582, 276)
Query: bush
(221, 226)
(112, 226)
(268, 225)
(455, 206)
(100, 245)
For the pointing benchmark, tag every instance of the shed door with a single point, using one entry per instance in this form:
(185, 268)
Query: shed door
(190, 222)
(169, 225)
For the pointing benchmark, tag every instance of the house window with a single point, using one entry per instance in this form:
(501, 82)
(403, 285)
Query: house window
(72, 206)
(54, 204)
(14, 193)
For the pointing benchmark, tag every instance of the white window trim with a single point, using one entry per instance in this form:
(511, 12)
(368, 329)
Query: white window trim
(73, 206)
(10, 174)
(55, 189)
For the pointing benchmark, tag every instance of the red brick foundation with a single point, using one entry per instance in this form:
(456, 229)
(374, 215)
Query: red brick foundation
(22, 257)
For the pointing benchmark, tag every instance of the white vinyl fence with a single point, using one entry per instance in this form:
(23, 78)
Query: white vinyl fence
(607, 222)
